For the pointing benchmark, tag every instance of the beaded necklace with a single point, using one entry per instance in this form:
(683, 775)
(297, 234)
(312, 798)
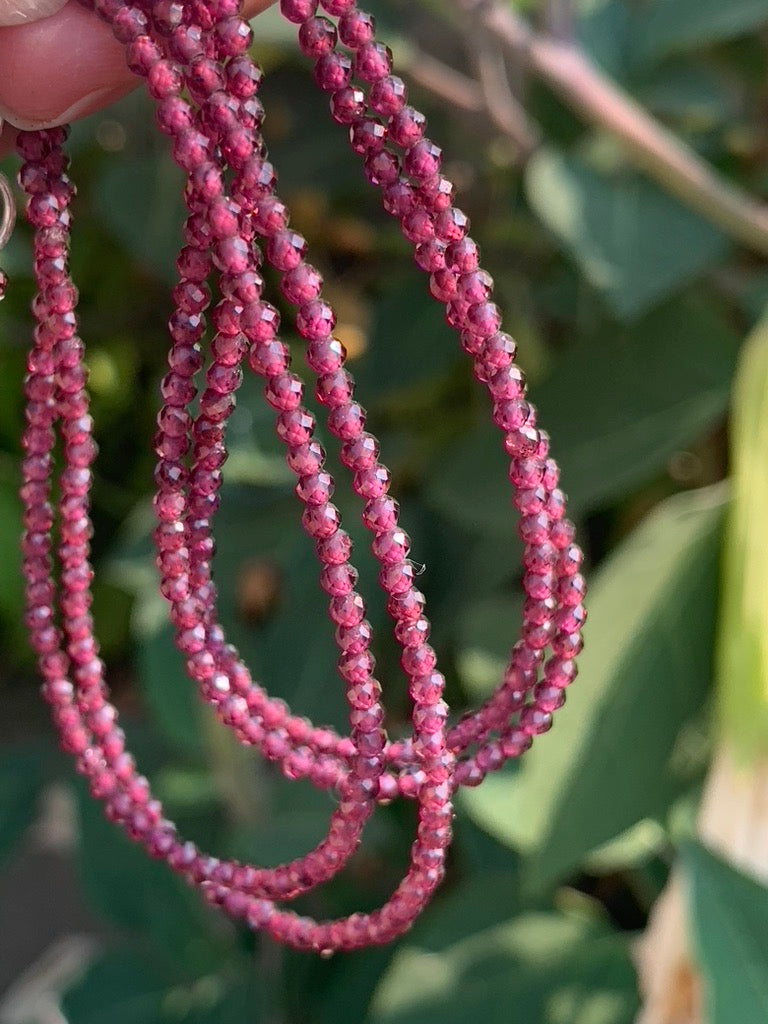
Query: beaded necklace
(193, 55)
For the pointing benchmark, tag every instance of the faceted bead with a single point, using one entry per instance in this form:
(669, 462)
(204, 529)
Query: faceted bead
(334, 389)
(387, 96)
(367, 135)
(407, 127)
(348, 105)
(302, 284)
(260, 322)
(338, 7)
(422, 161)
(381, 168)
(298, 11)
(141, 53)
(164, 79)
(451, 225)
(336, 549)
(357, 28)
(315, 489)
(399, 198)
(315, 320)
(317, 37)
(333, 71)
(285, 250)
(418, 226)
(324, 355)
(373, 61)
(233, 37)
(243, 77)
(347, 422)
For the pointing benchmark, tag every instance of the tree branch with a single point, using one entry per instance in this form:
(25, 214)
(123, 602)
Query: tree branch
(651, 146)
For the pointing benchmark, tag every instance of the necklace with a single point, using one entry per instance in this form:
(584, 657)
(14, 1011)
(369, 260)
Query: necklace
(193, 55)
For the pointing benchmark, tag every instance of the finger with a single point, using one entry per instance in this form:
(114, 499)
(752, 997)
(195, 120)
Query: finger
(16, 12)
(64, 66)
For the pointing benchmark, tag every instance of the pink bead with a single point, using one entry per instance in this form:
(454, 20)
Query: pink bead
(373, 61)
(422, 161)
(317, 37)
(333, 71)
(348, 105)
(407, 127)
(387, 96)
(367, 135)
(315, 320)
(298, 10)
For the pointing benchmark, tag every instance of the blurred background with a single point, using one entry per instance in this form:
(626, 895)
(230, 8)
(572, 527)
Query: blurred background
(617, 873)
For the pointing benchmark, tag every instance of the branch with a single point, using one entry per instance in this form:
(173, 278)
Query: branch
(442, 80)
(503, 107)
(651, 146)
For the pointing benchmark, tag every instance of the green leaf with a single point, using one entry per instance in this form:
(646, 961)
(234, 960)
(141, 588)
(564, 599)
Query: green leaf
(696, 97)
(618, 754)
(22, 776)
(120, 987)
(142, 896)
(742, 663)
(11, 592)
(410, 343)
(138, 201)
(540, 967)
(730, 925)
(669, 25)
(632, 241)
(124, 987)
(617, 405)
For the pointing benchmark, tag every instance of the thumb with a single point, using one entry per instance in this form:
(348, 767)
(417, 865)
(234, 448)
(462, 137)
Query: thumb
(59, 62)
(16, 12)
(56, 69)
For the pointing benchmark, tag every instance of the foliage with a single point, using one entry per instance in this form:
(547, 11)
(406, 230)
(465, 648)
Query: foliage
(629, 310)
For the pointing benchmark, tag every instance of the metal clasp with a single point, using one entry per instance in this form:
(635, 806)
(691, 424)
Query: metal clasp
(8, 212)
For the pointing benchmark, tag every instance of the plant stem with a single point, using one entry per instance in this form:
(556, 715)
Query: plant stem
(652, 147)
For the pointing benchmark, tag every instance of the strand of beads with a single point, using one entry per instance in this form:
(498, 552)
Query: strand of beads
(398, 158)
(87, 722)
(201, 47)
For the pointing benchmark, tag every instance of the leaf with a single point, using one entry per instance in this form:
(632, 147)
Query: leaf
(541, 967)
(142, 896)
(410, 343)
(22, 776)
(632, 241)
(138, 201)
(617, 755)
(730, 923)
(119, 987)
(603, 29)
(617, 405)
(742, 659)
(124, 987)
(697, 97)
(669, 25)
(11, 592)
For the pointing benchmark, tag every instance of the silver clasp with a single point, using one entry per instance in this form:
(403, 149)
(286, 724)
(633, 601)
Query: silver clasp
(8, 211)
(7, 207)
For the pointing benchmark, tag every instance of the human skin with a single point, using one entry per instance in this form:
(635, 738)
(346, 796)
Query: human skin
(59, 62)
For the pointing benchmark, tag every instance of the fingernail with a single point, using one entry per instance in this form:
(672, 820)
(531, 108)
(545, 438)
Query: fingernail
(85, 105)
(17, 12)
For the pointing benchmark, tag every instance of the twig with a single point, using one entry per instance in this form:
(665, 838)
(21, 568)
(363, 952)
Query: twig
(651, 146)
(443, 80)
(506, 112)
(557, 19)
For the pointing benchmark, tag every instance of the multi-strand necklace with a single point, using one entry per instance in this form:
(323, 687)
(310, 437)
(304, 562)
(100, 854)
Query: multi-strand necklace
(193, 55)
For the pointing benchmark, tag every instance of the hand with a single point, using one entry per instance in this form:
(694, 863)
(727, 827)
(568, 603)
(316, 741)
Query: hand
(58, 62)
